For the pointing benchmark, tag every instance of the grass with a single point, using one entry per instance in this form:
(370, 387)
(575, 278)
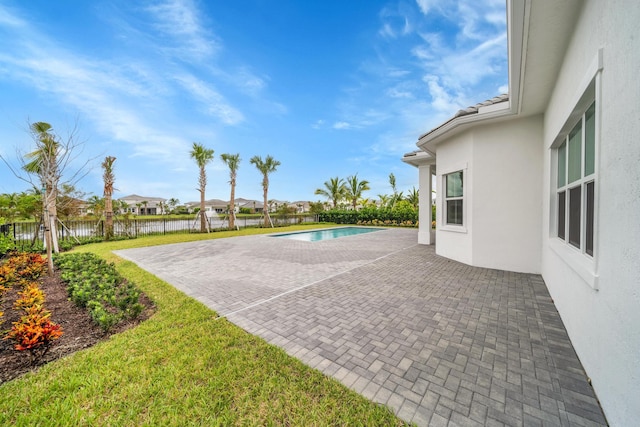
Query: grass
(181, 367)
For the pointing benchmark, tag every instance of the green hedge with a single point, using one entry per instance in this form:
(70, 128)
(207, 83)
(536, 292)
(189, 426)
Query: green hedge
(402, 214)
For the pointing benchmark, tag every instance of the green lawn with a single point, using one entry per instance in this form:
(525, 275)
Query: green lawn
(182, 367)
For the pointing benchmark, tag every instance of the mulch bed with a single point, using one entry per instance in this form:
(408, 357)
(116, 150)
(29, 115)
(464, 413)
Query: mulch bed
(79, 330)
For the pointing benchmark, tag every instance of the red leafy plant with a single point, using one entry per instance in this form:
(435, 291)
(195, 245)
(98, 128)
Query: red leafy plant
(34, 332)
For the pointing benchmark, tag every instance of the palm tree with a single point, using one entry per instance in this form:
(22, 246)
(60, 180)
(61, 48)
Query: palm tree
(355, 188)
(265, 167)
(392, 182)
(413, 197)
(173, 203)
(96, 204)
(43, 162)
(395, 197)
(334, 189)
(122, 206)
(202, 156)
(384, 200)
(233, 161)
(9, 204)
(109, 178)
(145, 203)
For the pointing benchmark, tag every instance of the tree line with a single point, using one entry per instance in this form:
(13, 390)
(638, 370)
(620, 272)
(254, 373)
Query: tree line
(351, 190)
(50, 196)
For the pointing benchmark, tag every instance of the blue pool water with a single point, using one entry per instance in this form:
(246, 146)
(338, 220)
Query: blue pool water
(330, 233)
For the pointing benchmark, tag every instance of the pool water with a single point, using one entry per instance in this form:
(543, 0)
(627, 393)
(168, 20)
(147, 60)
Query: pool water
(330, 233)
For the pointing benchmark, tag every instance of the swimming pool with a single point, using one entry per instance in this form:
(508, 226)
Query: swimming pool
(330, 233)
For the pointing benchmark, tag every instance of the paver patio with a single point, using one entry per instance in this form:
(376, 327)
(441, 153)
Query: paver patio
(439, 342)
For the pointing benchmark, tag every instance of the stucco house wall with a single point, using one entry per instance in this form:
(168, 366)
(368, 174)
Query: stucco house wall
(508, 196)
(455, 241)
(502, 195)
(600, 302)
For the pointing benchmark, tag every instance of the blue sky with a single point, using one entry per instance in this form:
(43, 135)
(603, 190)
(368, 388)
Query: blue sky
(329, 88)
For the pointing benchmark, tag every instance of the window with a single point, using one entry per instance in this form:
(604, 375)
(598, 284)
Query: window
(576, 183)
(454, 197)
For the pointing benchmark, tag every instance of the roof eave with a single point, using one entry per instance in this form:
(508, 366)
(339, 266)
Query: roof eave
(419, 158)
(427, 142)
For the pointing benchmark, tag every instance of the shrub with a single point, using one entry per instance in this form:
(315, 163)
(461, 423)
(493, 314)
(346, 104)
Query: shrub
(6, 239)
(95, 284)
(34, 332)
(26, 266)
(30, 296)
(403, 214)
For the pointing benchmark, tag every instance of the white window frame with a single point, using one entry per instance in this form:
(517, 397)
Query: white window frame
(585, 265)
(579, 183)
(443, 225)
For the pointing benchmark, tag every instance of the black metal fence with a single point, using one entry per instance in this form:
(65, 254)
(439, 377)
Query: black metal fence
(30, 234)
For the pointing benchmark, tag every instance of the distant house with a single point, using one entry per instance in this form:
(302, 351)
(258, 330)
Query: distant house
(140, 205)
(547, 180)
(218, 206)
(250, 204)
(254, 206)
(301, 206)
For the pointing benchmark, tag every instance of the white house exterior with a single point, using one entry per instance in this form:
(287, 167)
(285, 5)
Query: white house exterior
(141, 205)
(548, 180)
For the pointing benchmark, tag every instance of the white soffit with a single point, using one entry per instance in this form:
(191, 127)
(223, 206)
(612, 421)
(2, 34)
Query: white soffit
(419, 158)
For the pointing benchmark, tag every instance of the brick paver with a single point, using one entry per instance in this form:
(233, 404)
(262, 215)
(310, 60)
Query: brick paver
(439, 342)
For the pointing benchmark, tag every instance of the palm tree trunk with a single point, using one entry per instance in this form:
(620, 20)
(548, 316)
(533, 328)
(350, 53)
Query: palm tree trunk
(203, 220)
(52, 212)
(48, 236)
(108, 217)
(265, 208)
(232, 205)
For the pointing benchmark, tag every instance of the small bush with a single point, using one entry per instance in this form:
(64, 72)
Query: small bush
(34, 332)
(30, 296)
(95, 284)
(25, 266)
(6, 239)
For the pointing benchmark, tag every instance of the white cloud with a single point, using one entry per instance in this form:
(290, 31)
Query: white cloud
(441, 100)
(395, 22)
(9, 20)
(342, 125)
(214, 103)
(397, 73)
(449, 69)
(110, 96)
(387, 31)
(427, 5)
(179, 19)
(395, 92)
(250, 82)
